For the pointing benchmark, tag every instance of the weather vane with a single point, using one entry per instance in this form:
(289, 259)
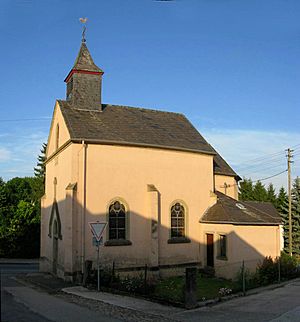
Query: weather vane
(83, 21)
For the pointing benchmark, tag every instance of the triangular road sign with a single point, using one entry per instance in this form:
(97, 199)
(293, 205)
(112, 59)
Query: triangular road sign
(97, 229)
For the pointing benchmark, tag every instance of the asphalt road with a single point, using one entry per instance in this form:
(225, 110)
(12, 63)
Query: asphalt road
(20, 303)
(12, 310)
(280, 304)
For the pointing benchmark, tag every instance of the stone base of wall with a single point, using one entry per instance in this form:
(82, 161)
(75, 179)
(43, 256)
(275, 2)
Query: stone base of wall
(46, 266)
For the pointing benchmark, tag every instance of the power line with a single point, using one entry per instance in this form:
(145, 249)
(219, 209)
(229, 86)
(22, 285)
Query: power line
(274, 175)
(25, 120)
(275, 161)
(266, 156)
(263, 169)
(262, 179)
(273, 156)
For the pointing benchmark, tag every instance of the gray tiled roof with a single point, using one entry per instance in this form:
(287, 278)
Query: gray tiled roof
(221, 166)
(229, 210)
(138, 126)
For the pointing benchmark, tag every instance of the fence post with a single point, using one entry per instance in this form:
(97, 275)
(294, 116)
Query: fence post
(279, 269)
(113, 271)
(244, 278)
(145, 278)
(191, 287)
(0, 295)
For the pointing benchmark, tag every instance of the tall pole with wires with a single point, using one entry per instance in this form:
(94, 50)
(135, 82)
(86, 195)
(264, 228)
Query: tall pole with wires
(289, 161)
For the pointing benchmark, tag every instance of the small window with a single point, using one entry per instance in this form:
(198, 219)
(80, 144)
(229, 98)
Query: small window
(117, 221)
(222, 246)
(177, 220)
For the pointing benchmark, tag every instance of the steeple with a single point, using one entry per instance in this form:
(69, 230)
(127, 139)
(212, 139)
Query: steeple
(84, 81)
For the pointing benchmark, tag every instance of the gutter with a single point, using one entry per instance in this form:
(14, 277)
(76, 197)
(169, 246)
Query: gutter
(145, 145)
(83, 214)
(240, 223)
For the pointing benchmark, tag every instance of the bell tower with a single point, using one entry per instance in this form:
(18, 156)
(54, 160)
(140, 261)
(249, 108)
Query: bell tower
(84, 81)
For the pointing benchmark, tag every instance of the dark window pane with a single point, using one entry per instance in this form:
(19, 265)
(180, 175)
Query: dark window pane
(180, 222)
(180, 232)
(173, 233)
(222, 245)
(180, 213)
(121, 214)
(121, 233)
(112, 234)
(177, 220)
(117, 221)
(121, 223)
(173, 222)
(112, 222)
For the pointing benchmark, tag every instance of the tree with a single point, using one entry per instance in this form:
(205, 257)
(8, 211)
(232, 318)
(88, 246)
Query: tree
(296, 216)
(282, 206)
(20, 217)
(246, 190)
(40, 169)
(260, 192)
(271, 195)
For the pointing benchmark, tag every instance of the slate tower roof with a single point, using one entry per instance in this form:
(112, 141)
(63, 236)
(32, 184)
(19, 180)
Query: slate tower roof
(84, 61)
(84, 81)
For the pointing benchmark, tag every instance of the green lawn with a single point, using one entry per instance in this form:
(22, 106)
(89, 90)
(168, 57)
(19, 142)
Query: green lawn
(207, 288)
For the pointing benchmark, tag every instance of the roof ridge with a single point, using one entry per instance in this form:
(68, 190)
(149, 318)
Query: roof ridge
(143, 108)
(122, 106)
(243, 202)
(265, 213)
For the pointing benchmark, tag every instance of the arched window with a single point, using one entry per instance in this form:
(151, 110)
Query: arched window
(57, 137)
(177, 220)
(117, 221)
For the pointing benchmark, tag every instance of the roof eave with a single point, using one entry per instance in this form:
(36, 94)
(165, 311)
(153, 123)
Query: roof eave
(145, 145)
(241, 223)
(82, 71)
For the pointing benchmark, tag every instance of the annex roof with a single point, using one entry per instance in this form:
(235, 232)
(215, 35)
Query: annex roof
(124, 125)
(231, 211)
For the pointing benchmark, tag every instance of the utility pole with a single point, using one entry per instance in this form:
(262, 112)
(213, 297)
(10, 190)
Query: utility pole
(289, 161)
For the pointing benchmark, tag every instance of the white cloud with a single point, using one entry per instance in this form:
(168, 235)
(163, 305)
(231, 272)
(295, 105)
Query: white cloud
(5, 155)
(19, 152)
(240, 147)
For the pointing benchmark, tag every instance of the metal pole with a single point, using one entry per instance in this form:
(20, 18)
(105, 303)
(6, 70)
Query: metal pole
(289, 156)
(0, 296)
(244, 281)
(98, 272)
(279, 272)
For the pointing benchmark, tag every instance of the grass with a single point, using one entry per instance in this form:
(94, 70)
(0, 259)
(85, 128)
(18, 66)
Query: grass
(171, 289)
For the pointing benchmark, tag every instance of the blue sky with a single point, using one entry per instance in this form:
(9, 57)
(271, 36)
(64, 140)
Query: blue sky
(232, 67)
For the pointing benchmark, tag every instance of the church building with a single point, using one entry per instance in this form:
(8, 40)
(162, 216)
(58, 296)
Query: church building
(169, 199)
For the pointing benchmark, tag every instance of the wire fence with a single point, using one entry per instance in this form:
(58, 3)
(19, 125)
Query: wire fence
(170, 283)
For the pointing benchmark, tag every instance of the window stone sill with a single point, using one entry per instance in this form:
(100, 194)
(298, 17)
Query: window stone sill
(118, 242)
(222, 258)
(179, 240)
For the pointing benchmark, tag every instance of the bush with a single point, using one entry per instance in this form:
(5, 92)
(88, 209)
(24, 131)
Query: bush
(251, 279)
(267, 271)
(134, 284)
(288, 266)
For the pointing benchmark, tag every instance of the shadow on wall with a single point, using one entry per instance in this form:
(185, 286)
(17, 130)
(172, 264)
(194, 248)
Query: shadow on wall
(65, 246)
